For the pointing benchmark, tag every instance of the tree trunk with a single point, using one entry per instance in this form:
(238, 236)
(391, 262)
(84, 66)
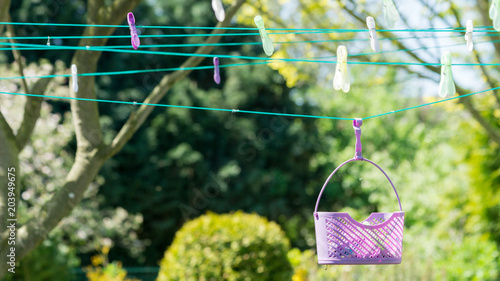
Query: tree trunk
(91, 151)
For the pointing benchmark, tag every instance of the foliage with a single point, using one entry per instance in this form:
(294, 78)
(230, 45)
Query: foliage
(302, 263)
(108, 271)
(50, 261)
(234, 246)
(467, 259)
(485, 179)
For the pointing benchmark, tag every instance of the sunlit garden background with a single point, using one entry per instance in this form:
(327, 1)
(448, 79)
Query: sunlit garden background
(243, 187)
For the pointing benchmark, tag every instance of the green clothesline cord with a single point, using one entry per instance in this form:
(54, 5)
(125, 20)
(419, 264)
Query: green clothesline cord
(245, 43)
(212, 28)
(243, 57)
(412, 50)
(256, 43)
(210, 67)
(205, 67)
(154, 35)
(134, 71)
(249, 111)
(184, 106)
(430, 103)
(224, 34)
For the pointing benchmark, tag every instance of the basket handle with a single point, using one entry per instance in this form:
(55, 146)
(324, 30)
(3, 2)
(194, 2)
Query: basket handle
(357, 157)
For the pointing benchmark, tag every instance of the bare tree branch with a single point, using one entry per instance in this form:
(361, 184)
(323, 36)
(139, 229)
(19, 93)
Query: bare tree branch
(329, 48)
(8, 157)
(485, 72)
(33, 104)
(9, 160)
(93, 7)
(492, 131)
(467, 102)
(32, 111)
(138, 117)
(83, 171)
(398, 43)
(86, 114)
(17, 56)
(4, 12)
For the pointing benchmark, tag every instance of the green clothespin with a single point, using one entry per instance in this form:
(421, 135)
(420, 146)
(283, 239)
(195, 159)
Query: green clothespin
(446, 85)
(495, 14)
(341, 79)
(266, 41)
(391, 14)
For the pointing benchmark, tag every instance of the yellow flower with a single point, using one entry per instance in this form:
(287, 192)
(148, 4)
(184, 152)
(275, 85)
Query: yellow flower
(96, 260)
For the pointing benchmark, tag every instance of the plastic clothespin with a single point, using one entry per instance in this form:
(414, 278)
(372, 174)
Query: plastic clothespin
(446, 85)
(468, 35)
(495, 14)
(266, 41)
(492, 9)
(136, 42)
(216, 70)
(341, 79)
(391, 14)
(74, 77)
(218, 10)
(356, 124)
(370, 22)
(48, 41)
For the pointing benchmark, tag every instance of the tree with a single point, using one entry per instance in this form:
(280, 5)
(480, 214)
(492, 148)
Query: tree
(91, 150)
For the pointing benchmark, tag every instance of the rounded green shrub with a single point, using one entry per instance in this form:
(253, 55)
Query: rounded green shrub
(235, 246)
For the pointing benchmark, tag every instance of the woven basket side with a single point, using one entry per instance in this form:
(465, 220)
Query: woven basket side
(347, 240)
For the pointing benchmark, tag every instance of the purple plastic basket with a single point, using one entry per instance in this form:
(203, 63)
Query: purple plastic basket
(342, 240)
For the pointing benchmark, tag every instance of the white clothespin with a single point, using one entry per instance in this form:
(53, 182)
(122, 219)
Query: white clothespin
(48, 41)
(495, 14)
(218, 10)
(468, 35)
(341, 79)
(267, 44)
(74, 77)
(391, 13)
(370, 22)
(446, 85)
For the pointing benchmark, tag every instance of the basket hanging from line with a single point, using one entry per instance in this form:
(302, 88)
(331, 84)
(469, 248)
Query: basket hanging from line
(342, 240)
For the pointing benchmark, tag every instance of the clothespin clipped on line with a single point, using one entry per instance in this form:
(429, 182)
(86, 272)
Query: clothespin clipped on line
(48, 41)
(216, 70)
(468, 35)
(341, 79)
(495, 14)
(218, 10)
(446, 85)
(370, 22)
(74, 78)
(134, 38)
(391, 14)
(266, 41)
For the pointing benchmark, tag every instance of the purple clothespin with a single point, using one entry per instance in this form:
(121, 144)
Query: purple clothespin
(133, 31)
(356, 123)
(216, 70)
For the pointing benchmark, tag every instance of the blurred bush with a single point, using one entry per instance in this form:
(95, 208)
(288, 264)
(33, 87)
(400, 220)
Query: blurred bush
(235, 246)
